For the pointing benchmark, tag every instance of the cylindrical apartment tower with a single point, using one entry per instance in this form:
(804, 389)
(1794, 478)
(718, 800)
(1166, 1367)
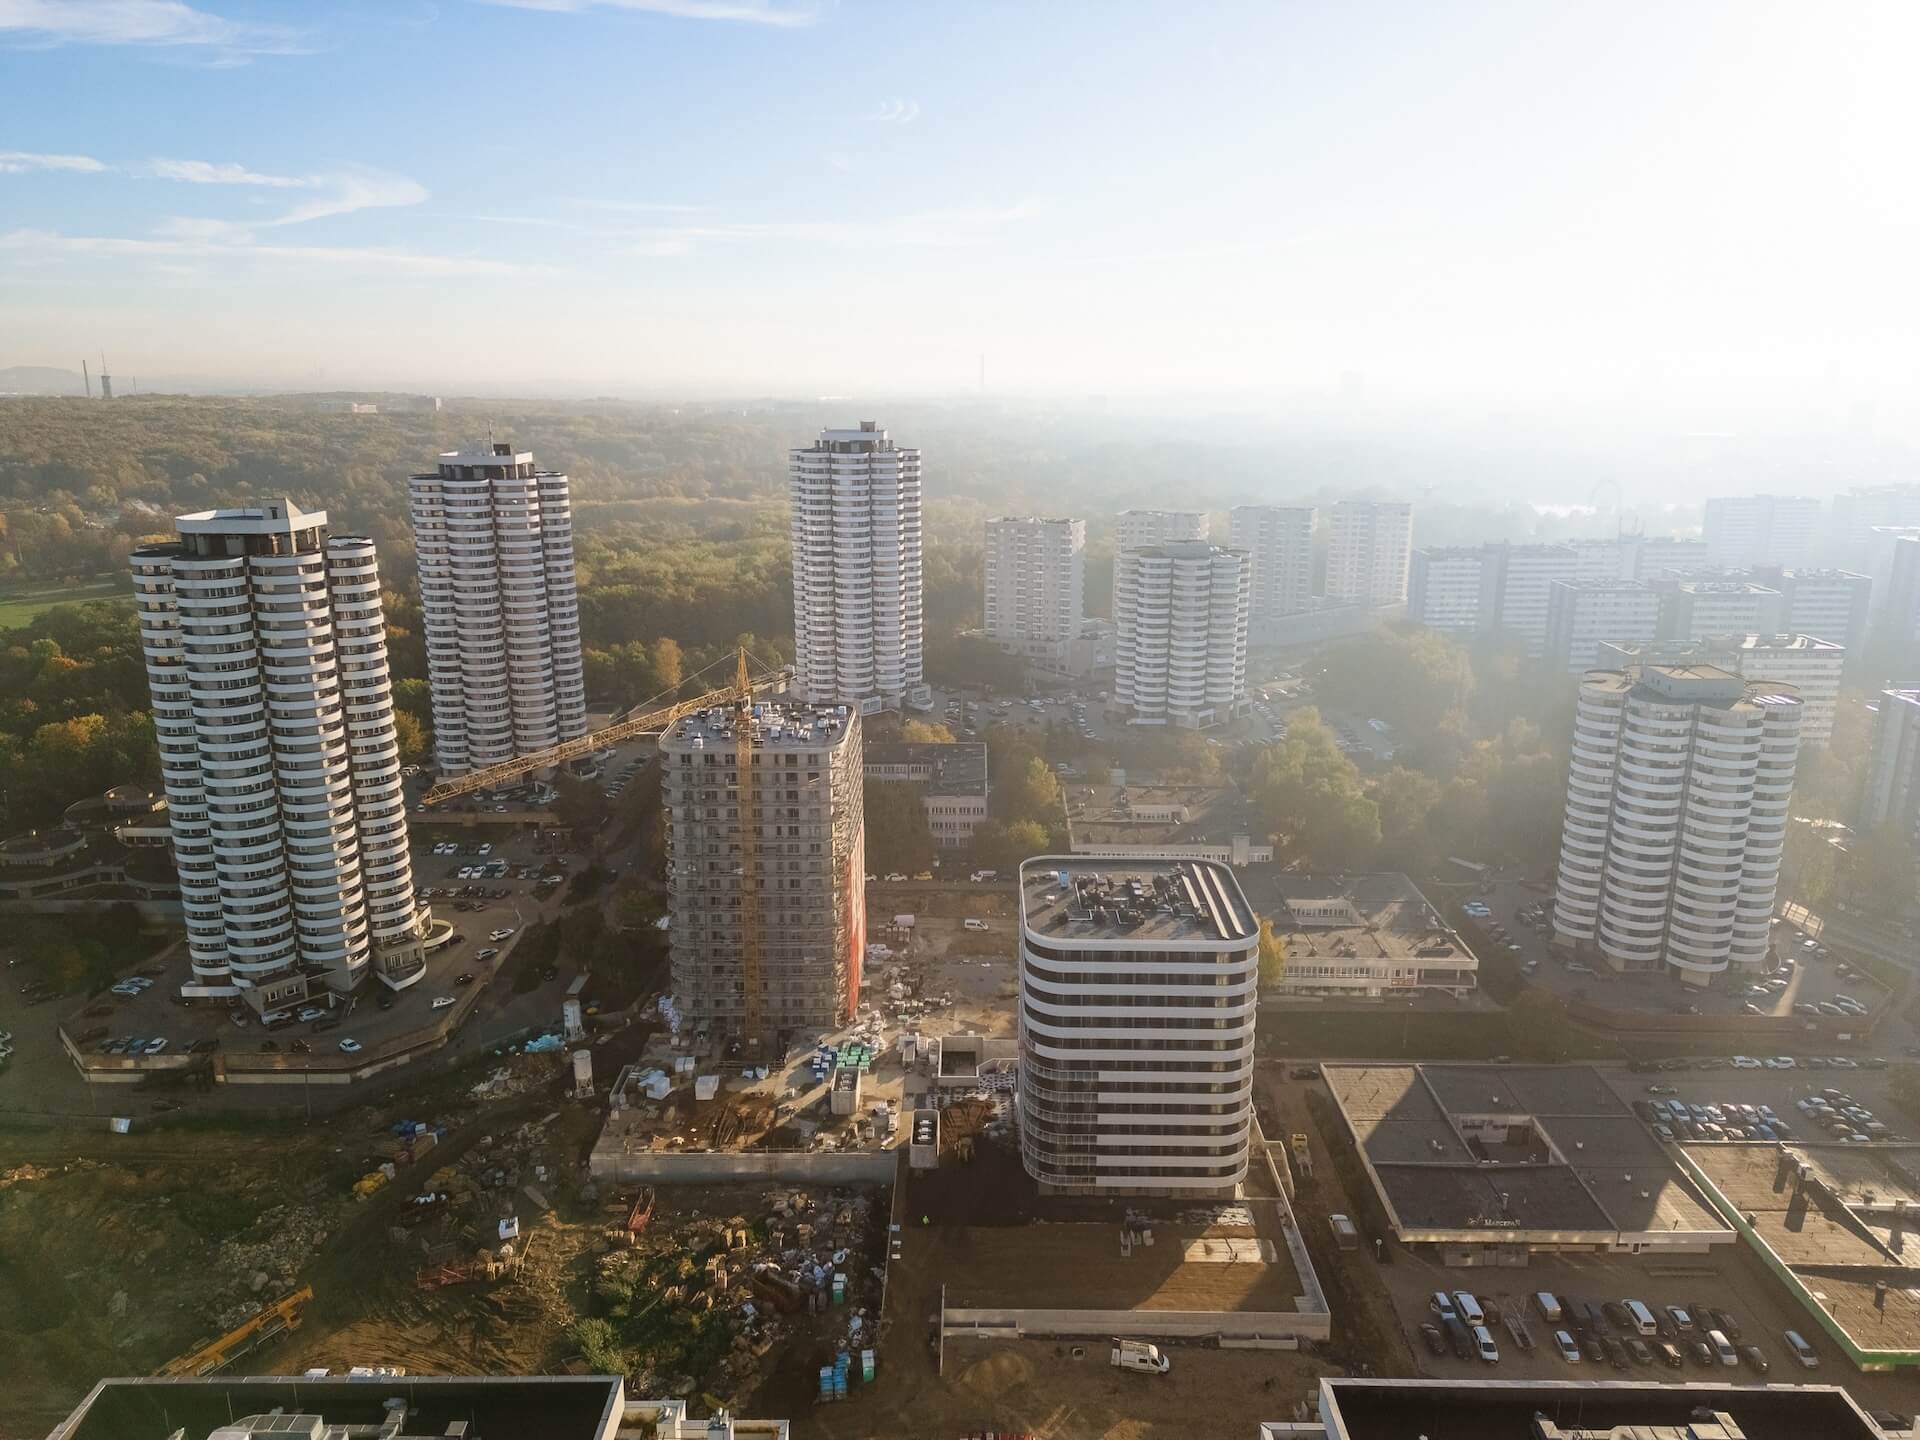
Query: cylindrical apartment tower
(266, 660)
(1677, 804)
(494, 540)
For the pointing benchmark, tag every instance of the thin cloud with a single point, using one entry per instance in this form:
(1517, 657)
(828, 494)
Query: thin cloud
(839, 160)
(48, 244)
(896, 112)
(207, 172)
(927, 229)
(19, 162)
(160, 23)
(339, 192)
(750, 12)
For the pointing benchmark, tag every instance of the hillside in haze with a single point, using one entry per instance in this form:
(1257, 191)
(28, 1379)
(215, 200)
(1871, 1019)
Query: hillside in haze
(40, 380)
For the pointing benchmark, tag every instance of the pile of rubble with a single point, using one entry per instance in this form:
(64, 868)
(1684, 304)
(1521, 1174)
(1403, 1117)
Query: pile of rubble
(267, 1259)
(800, 1269)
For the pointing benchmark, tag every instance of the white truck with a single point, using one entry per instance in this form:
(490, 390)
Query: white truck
(1140, 1356)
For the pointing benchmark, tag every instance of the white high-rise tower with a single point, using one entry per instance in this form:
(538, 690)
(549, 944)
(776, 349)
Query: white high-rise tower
(1677, 800)
(494, 538)
(1369, 548)
(857, 571)
(266, 655)
(1036, 584)
(1180, 633)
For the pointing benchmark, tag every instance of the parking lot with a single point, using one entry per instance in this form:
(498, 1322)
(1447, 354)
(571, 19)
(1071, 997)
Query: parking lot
(376, 1014)
(1813, 985)
(1719, 1083)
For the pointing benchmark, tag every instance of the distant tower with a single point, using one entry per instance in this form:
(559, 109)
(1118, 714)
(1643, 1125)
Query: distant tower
(86, 378)
(106, 380)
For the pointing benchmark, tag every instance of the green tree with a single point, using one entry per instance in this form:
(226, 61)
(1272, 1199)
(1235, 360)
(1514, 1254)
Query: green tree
(1405, 800)
(1273, 955)
(1026, 789)
(579, 805)
(1880, 870)
(669, 666)
(1309, 797)
(412, 737)
(897, 834)
(1002, 844)
(925, 732)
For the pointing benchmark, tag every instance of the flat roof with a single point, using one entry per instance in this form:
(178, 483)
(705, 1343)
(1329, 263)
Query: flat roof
(1440, 1143)
(776, 724)
(1842, 1234)
(1371, 916)
(956, 767)
(1141, 901)
(562, 1407)
(1155, 814)
(270, 517)
(1079, 1267)
(1355, 1409)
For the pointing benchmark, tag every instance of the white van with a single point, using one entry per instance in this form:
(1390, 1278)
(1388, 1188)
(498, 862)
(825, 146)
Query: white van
(274, 1017)
(1802, 1351)
(974, 924)
(1722, 1348)
(1468, 1308)
(1642, 1318)
(1549, 1304)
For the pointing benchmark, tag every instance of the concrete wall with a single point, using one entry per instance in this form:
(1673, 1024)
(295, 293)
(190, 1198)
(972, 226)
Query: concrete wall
(824, 1167)
(1146, 1324)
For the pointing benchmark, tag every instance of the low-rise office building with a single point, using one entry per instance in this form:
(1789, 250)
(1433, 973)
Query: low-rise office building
(1189, 822)
(1366, 937)
(952, 778)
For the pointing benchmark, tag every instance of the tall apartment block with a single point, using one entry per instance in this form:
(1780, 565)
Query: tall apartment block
(1138, 990)
(1279, 538)
(1742, 530)
(768, 840)
(857, 622)
(1832, 604)
(1894, 611)
(1810, 665)
(494, 538)
(1180, 633)
(1036, 587)
(1584, 616)
(1369, 548)
(1892, 794)
(1445, 587)
(1636, 557)
(266, 657)
(1158, 527)
(1695, 609)
(1677, 802)
(1861, 511)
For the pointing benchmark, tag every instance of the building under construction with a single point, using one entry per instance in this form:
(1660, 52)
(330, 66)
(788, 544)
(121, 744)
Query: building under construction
(768, 841)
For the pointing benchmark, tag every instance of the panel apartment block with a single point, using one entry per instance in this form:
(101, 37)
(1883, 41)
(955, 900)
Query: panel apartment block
(1036, 580)
(1369, 548)
(1280, 540)
(858, 631)
(769, 852)
(266, 657)
(1743, 530)
(1138, 991)
(494, 538)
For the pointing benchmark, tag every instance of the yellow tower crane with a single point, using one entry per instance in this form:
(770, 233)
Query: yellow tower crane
(749, 854)
(635, 722)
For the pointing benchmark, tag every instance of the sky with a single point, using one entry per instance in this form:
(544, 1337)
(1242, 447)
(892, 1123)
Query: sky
(1494, 205)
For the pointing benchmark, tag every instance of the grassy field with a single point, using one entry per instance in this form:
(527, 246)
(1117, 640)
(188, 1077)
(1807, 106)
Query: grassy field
(19, 603)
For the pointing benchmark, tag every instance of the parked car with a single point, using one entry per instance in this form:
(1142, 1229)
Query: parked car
(349, 1047)
(1436, 1342)
(465, 977)
(1755, 1358)
(1569, 1351)
(441, 1002)
(1798, 1347)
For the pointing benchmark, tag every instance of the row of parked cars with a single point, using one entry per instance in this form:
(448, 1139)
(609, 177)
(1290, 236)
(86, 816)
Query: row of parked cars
(1621, 1333)
(1727, 1120)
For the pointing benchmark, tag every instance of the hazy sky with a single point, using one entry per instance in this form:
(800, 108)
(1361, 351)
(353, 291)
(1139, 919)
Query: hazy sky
(1501, 204)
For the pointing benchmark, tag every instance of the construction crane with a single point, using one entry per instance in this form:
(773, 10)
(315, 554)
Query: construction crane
(279, 1317)
(749, 851)
(637, 721)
